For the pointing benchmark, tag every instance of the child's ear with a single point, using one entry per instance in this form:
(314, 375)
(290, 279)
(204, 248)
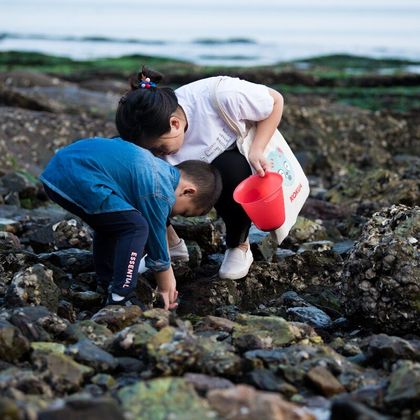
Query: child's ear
(190, 190)
(174, 123)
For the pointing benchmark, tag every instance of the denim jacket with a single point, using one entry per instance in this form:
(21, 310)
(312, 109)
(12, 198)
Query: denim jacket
(105, 175)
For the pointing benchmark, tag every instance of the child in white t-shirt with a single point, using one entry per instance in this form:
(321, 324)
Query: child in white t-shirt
(186, 124)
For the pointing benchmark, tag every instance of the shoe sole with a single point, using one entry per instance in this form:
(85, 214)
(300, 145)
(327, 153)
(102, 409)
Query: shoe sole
(235, 276)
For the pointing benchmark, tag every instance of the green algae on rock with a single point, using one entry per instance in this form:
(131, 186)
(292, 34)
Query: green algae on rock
(253, 332)
(162, 399)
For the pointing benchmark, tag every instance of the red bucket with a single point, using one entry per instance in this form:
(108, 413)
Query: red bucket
(262, 200)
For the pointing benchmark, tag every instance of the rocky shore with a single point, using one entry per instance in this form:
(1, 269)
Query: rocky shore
(326, 326)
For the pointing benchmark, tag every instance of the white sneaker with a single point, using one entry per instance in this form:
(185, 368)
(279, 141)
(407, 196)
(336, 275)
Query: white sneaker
(236, 263)
(179, 252)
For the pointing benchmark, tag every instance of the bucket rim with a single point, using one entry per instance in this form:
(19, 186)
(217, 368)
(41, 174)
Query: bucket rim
(235, 192)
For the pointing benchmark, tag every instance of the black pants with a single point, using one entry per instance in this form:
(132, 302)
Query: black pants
(234, 168)
(118, 244)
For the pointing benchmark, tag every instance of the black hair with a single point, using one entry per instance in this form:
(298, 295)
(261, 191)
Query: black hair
(207, 179)
(143, 113)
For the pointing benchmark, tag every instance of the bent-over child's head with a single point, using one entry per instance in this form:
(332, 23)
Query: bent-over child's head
(150, 116)
(198, 190)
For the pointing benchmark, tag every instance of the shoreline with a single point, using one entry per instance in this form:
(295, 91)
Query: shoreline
(365, 82)
(348, 62)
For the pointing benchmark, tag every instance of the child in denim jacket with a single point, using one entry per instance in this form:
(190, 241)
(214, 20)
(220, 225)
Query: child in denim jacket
(125, 194)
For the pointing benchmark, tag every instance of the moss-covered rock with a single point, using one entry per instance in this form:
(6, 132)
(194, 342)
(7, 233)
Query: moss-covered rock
(60, 370)
(173, 351)
(252, 332)
(161, 399)
(132, 341)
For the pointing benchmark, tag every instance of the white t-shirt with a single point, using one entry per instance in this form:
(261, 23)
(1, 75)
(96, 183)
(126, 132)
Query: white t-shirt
(208, 135)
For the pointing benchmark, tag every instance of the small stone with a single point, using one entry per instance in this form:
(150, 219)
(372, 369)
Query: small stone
(382, 347)
(245, 403)
(104, 380)
(61, 371)
(311, 315)
(324, 381)
(351, 410)
(211, 322)
(13, 345)
(404, 385)
(117, 317)
(204, 383)
(9, 241)
(91, 355)
(252, 331)
(47, 347)
(87, 408)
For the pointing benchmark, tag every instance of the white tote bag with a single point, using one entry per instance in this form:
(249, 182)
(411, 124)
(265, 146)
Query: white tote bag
(282, 161)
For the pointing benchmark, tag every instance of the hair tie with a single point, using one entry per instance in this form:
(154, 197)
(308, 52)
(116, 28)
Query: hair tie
(147, 83)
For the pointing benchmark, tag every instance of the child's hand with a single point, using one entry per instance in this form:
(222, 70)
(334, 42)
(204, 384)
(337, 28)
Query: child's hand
(258, 161)
(167, 288)
(169, 298)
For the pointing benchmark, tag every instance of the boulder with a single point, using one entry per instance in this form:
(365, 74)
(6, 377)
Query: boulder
(33, 286)
(381, 278)
(245, 403)
(164, 398)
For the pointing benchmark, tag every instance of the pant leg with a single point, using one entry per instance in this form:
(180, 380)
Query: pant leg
(130, 231)
(233, 168)
(103, 245)
(103, 258)
(121, 237)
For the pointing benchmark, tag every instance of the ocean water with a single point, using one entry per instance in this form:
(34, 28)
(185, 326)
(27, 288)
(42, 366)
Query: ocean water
(218, 32)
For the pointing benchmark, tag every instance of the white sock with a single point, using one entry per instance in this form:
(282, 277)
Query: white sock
(117, 297)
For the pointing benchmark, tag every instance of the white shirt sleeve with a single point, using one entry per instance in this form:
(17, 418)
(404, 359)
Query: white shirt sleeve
(245, 101)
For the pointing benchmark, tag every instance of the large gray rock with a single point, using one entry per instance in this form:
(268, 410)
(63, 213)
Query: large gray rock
(381, 281)
(90, 354)
(61, 235)
(33, 286)
(383, 348)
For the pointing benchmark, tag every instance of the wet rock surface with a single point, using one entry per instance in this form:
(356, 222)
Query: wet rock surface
(324, 326)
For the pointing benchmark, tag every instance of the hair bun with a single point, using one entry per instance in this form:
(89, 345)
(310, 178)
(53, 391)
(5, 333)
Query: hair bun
(145, 79)
(146, 73)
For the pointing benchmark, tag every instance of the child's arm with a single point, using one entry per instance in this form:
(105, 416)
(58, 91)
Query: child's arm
(156, 210)
(167, 287)
(264, 132)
